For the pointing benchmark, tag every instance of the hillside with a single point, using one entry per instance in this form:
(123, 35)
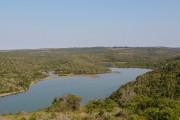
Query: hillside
(152, 96)
(19, 68)
(155, 95)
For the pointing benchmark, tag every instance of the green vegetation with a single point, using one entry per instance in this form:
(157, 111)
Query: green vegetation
(153, 96)
(101, 106)
(20, 68)
(66, 103)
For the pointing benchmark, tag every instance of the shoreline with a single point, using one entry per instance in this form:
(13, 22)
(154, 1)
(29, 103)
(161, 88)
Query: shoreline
(21, 91)
(11, 93)
(46, 78)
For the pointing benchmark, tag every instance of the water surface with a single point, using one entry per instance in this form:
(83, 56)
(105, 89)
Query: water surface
(41, 95)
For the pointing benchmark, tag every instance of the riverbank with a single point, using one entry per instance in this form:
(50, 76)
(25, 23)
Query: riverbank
(11, 93)
(46, 78)
(21, 91)
(112, 70)
(42, 93)
(42, 112)
(51, 76)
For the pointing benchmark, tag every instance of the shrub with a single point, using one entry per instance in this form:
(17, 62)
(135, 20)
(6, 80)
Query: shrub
(101, 105)
(68, 102)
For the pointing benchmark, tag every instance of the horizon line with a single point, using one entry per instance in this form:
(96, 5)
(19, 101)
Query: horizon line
(46, 48)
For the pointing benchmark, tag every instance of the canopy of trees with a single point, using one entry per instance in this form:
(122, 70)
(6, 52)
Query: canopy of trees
(155, 95)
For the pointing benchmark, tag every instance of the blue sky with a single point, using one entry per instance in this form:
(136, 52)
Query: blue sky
(86, 23)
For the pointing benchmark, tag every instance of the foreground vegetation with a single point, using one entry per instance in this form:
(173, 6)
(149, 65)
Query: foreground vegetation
(20, 68)
(153, 96)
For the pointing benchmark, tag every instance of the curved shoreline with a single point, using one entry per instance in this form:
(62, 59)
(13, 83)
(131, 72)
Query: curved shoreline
(21, 91)
(48, 78)
(34, 82)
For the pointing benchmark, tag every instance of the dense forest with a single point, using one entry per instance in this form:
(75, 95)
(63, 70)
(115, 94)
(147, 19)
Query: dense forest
(152, 96)
(19, 68)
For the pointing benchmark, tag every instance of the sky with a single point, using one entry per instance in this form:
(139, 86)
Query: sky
(26, 24)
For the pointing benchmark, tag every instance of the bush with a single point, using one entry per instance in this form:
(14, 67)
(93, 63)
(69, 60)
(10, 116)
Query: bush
(33, 117)
(68, 102)
(101, 105)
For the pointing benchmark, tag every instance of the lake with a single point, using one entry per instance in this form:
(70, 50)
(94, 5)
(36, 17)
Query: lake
(41, 94)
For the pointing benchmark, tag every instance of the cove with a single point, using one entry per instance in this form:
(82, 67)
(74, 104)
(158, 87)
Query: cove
(41, 94)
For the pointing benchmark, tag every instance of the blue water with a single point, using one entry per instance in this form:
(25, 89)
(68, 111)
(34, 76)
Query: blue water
(41, 94)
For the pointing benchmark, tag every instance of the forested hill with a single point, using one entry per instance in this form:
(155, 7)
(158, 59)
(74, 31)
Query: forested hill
(155, 95)
(161, 82)
(19, 68)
